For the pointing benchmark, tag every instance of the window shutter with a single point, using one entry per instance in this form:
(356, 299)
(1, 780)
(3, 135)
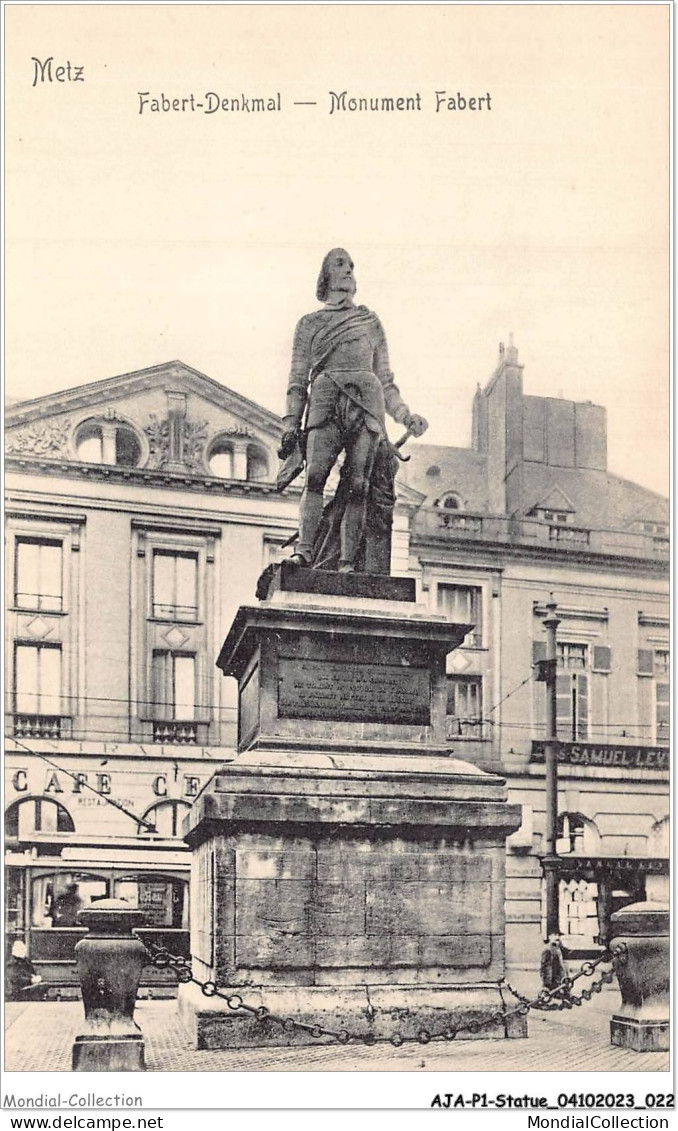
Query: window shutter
(538, 651)
(564, 707)
(159, 682)
(582, 721)
(645, 661)
(602, 658)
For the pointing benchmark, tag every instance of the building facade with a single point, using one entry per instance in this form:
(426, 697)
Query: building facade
(140, 512)
(531, 514)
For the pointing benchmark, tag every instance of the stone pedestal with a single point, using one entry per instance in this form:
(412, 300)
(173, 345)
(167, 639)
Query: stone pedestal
(642, 1023)
(110, 960)
(346, 871)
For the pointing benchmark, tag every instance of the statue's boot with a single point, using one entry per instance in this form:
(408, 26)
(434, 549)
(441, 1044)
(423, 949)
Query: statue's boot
(352, 529)
(310, 514)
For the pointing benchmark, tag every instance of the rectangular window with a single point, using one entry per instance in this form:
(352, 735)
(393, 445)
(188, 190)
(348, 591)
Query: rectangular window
(37, 679)
(662, 696)
(464, 707)
(572, 692)
(38, 575)
(462, 604)
(173, 686)
(175, 585)
(573, 657)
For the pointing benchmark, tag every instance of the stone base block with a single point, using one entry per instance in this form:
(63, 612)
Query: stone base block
(375, 1013)
(109, 1054)
(640, 1036)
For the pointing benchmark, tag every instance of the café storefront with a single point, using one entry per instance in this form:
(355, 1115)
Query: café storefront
(74, 835)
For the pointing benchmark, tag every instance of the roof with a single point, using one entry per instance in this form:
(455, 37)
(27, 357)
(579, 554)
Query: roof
(461, 471)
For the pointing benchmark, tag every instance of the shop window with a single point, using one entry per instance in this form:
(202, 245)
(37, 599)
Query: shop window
(56, 899)
(34, 815)
(462, 604)
(109, 443)
(163, 900)
(579, 918)
(464, 707)
(37, 690)
(166, 818)
(38, 575)
(175, 585)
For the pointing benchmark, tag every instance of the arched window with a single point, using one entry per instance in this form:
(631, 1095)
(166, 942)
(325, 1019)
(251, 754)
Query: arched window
(451, 502)
(257, 464)
(110, 442)
(658, 842)
(578, 835)
(220, 459)
(166, 816)
(33, 815)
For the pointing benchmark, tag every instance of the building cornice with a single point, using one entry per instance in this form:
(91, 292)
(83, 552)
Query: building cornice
(153, 477)
(573, 612)
(519, 551)
(654, 620)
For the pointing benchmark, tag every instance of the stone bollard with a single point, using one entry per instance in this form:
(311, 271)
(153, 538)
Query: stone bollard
(642, 1022)
(110, 960)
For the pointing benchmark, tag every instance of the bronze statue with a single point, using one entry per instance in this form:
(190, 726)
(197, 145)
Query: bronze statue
(340, 375)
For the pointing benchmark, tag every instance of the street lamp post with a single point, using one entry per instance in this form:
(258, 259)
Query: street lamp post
(551, 622)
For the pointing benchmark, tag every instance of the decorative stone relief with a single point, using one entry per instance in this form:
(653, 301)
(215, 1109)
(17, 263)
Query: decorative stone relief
(41, 438)
(233, 427)
(194, 434)
(158, 441)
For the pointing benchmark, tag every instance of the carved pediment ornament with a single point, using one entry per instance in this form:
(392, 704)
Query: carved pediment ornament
(236, 429)
(40, 438)
(193, 436)
(158, 441)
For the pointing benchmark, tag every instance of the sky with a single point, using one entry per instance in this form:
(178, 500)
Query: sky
(137, 238)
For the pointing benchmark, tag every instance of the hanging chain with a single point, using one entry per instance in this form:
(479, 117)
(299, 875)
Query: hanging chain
(559, 998)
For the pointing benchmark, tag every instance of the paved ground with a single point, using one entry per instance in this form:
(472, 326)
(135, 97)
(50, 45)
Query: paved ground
(39, 1036)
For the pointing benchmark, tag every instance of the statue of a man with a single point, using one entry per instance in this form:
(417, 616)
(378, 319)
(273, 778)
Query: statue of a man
(340, 373)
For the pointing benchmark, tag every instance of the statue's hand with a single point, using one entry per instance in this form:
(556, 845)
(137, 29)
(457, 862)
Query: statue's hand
(288, 442)
(417, 425)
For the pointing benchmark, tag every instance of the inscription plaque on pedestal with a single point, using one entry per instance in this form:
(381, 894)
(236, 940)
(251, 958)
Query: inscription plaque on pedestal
(327, 689)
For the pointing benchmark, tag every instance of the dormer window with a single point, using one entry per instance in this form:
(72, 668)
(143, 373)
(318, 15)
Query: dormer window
(109, 442)
(557, 517)
(449, 502)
